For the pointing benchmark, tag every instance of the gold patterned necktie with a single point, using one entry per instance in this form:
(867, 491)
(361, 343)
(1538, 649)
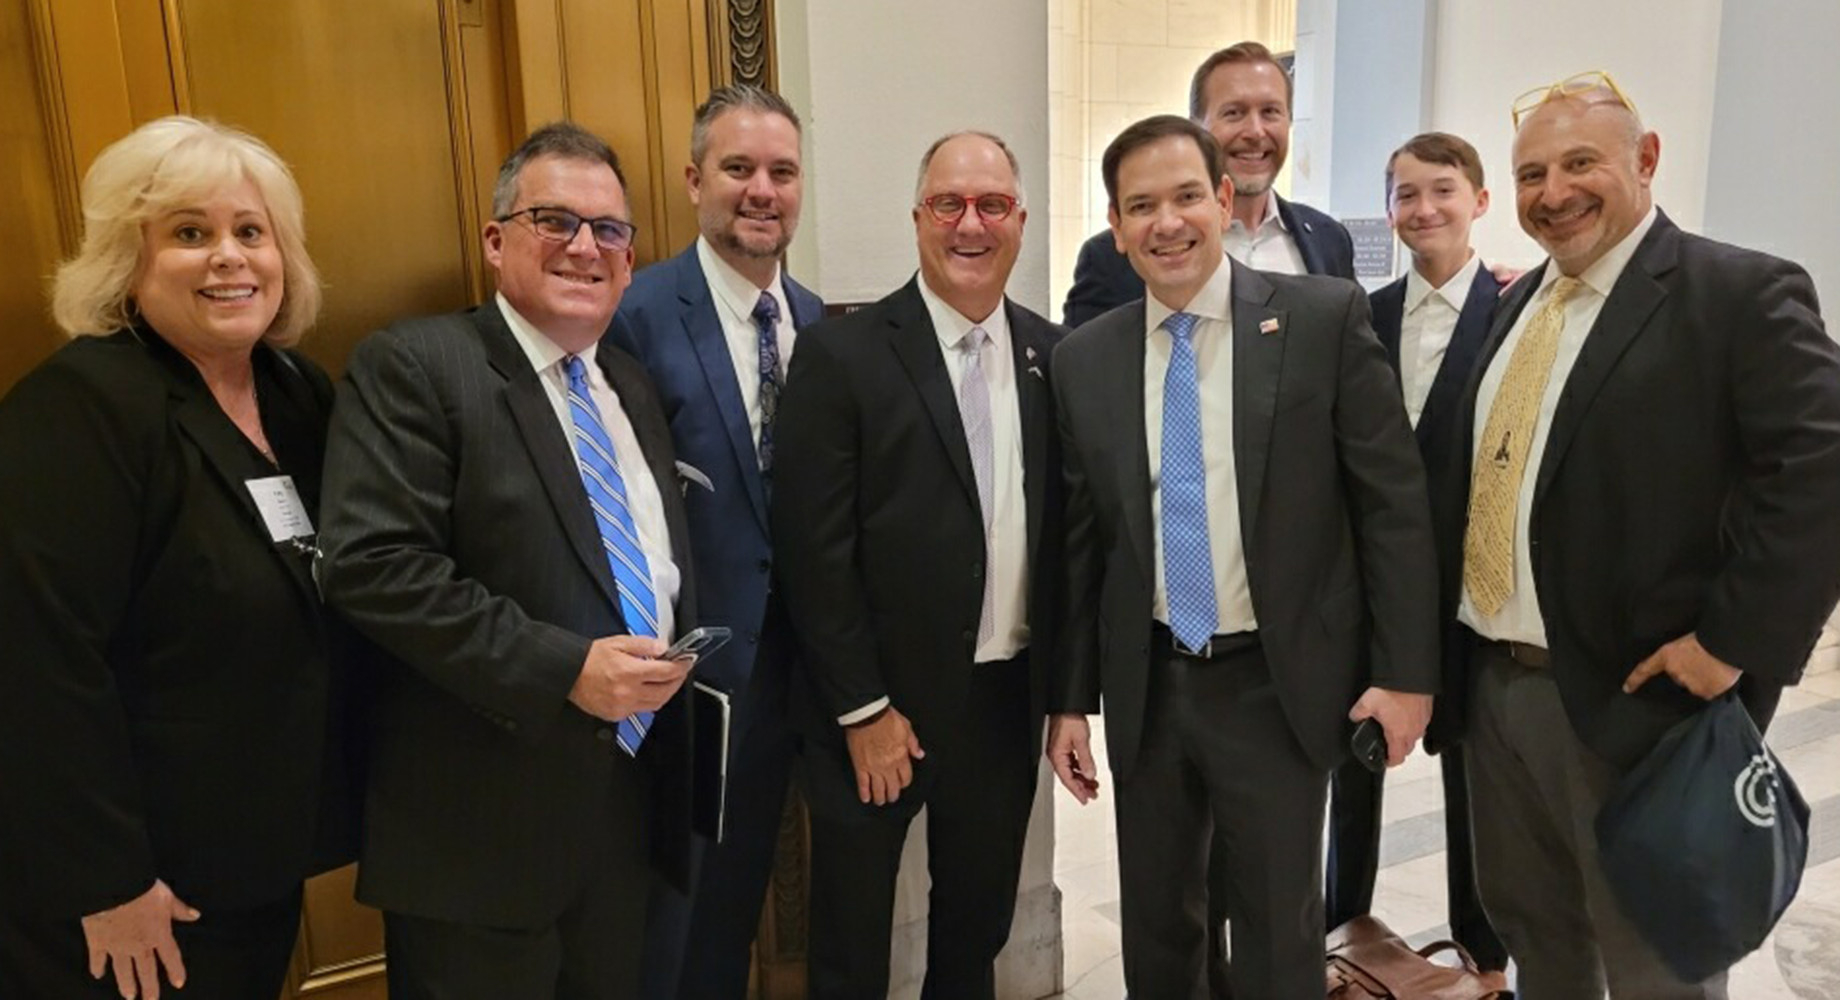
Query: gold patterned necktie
(1501, 454)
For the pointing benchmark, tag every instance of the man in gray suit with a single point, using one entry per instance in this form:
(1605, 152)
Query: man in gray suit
(503, 518)
(1249, 568)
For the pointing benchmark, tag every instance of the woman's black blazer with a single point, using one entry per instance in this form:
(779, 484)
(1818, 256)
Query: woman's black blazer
(167, 675)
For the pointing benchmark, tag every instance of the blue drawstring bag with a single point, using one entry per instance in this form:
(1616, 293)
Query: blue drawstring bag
(1704, 842)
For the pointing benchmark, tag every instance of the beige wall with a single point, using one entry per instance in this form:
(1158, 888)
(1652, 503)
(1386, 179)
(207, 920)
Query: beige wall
(1112, 62)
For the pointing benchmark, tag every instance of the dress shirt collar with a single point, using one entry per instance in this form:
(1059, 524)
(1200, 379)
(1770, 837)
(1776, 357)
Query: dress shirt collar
(951, 326)
(1454, 292)
(1213, 301)
(1268, 215)
(1601, 276)
(735, 292)
(543, 352)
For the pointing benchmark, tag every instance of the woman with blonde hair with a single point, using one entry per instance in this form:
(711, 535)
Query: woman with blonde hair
(170, 765)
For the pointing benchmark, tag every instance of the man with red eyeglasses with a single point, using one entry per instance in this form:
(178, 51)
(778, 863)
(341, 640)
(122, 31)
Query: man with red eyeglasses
(916, 531)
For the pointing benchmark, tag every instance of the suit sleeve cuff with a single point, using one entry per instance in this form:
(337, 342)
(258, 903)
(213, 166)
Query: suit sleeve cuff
(852, 718)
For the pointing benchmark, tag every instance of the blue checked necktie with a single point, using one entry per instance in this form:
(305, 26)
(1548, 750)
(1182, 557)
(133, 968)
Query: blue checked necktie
(974, 410)
(1188, 560)
(766, 320)
(600, 477)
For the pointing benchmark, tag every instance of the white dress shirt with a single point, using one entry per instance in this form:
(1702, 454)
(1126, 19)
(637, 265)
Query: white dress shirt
(1425, 328)
(641, 488)
(1213, 341)
(1268, 247)
(1519, 620)
(1007, 545)
(1007, 564)
(735, 298)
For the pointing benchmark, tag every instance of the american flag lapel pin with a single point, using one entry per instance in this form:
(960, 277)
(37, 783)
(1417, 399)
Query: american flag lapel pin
(1268, 325)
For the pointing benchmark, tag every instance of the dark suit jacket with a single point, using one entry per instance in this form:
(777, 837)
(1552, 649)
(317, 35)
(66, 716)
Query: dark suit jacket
(164, 703)
(458, 537)
(1103, 278)
(1332, 512)
(1689, 484)
(1437, 433)
(668, 321)
(878, 531)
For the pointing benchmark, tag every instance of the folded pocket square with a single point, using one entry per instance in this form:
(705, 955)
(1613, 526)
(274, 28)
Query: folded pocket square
(691, 474)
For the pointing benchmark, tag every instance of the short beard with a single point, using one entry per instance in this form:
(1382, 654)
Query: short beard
(727, 240)
(1252, 189)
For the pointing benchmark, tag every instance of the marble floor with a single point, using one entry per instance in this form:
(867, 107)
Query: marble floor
(1800, 961)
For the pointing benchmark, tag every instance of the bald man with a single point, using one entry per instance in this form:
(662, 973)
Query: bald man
(1641, 520)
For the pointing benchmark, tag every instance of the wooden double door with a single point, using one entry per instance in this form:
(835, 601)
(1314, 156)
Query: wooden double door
(394, 115)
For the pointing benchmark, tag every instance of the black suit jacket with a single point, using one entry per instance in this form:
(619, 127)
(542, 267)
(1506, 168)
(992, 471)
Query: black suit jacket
(458, 537)
(668, 322)
(1689, 484)
(168, 674)
(1437, 431)
(1336, 531)
(1103, 278)
(878, 531)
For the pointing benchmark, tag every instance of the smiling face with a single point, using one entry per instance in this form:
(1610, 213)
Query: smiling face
(210, 277)
(1432, 207)
(1248, 111)
(567, 290)
(1168, 217)
(748, 188)
(967, 262)
(1582, 170)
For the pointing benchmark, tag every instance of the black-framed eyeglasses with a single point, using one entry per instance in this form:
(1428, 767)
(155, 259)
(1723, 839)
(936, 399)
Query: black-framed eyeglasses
(559, 225)
(949, 208)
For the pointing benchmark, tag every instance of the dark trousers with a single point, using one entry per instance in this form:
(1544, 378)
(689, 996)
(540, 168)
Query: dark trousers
(1537, 789)
(1218, 756)
(698, 945)
(1355, 801)
(977, 815)
(228, 955)
(589, 952)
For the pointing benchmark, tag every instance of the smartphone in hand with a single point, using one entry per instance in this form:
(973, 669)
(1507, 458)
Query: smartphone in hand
(1369, 745)
(698, 642)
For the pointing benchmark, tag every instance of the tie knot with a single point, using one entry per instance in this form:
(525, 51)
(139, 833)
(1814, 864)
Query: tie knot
(974, 340)
(1565, 288)
(766, 308)
(576, 370)
(1181, 325)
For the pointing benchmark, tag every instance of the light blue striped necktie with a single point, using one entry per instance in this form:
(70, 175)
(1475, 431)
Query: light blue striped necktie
(600, 477)
(1188, 559)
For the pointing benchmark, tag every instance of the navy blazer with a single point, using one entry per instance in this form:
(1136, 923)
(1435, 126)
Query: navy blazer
(668, 321)
(1437, 427)
(1103, 278)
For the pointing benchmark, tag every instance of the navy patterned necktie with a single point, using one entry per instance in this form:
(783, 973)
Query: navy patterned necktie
(766, 321)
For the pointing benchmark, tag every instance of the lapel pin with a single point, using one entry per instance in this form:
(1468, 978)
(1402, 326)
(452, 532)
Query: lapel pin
(1268, 325)
(1035, 370)
(1029, 352)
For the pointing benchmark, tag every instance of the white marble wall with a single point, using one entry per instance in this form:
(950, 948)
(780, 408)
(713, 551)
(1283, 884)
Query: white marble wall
(1112, 62)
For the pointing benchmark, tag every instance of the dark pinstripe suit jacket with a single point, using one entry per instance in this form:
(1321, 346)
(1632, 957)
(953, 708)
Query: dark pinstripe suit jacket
(458, 537)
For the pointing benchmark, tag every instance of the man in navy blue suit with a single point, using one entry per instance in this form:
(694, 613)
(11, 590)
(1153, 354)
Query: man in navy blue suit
(1432, 321)
(1242, 95)
(715, 327)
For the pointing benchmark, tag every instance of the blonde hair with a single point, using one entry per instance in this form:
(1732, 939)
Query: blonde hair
(166, 164)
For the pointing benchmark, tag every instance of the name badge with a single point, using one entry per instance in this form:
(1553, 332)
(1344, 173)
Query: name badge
(282, 512)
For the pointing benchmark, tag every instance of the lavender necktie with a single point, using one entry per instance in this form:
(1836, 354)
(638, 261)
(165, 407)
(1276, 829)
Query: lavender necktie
(974, 410)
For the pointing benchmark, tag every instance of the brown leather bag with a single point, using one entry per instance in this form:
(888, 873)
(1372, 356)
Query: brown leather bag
(1367, 961)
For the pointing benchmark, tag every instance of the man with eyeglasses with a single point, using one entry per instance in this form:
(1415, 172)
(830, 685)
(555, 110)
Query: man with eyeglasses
(503, 519)
(1642, 520)
(917, 533)
(715, 326)
(1242, 96)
